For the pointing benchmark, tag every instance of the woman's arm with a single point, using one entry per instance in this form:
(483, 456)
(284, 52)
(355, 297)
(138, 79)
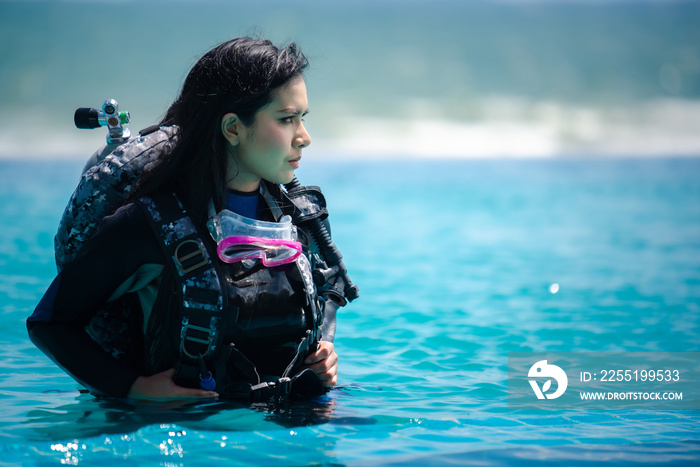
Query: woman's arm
(162, 386)
(77, 354)
(118, 248)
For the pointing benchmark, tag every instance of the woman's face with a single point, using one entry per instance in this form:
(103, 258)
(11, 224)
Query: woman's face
(270, 148)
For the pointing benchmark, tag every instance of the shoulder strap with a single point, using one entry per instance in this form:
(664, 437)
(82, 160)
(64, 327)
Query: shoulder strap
(309, 203)
(200, 289)
(272, 203)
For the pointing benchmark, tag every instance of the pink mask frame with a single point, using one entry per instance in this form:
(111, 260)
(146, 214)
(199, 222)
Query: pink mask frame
(271, 251)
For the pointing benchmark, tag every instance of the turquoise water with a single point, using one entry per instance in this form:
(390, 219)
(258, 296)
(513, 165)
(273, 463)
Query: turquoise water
(454, 260)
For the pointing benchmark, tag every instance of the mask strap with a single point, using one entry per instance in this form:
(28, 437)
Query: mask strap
(271, 202)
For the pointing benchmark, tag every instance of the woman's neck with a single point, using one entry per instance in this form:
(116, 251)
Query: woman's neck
(244, 186)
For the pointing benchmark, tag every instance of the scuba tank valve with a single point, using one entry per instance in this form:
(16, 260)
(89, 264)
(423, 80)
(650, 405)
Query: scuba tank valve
(109, 116)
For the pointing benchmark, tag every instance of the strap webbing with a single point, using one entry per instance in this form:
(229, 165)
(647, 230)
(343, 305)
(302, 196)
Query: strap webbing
(200, 291)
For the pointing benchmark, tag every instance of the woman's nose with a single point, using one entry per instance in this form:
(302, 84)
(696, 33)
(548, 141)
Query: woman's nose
(303, 139)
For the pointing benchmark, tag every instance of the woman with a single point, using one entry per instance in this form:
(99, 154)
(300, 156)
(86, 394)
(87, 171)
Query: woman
(239, 135)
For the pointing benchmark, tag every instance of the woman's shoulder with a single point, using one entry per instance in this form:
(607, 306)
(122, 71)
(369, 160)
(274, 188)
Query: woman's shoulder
(125, 229)
(121, 244)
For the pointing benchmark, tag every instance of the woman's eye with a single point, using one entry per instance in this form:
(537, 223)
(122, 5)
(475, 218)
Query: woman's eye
(291, 118)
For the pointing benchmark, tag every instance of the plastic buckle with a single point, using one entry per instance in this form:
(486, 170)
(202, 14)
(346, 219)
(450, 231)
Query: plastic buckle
(260, 392)
(283, 386)
(208, 341)
(181, 257)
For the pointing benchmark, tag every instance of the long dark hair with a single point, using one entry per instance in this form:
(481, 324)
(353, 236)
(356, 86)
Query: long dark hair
(239, 76)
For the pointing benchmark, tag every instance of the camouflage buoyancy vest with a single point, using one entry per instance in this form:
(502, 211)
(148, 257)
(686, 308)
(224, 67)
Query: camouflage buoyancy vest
(105, 186)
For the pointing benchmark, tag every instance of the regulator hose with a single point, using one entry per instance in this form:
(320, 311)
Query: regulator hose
(330, 253)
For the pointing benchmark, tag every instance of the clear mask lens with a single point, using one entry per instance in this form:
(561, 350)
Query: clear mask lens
(240, 238)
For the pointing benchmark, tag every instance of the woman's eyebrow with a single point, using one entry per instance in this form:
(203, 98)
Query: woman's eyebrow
(292, 110)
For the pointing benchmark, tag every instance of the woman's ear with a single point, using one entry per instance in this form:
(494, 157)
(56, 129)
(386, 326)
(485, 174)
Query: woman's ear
(230, 128)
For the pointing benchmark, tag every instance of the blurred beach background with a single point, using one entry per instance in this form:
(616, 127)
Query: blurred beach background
(388, 78)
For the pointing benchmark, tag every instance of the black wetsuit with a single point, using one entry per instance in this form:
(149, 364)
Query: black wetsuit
(123, 261)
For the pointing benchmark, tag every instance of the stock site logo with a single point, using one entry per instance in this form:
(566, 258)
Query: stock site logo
(542, 370)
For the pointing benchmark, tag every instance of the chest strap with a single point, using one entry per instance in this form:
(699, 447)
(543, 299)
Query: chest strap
(200, 291)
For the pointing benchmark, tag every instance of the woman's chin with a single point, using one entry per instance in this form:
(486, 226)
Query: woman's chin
(282, 179)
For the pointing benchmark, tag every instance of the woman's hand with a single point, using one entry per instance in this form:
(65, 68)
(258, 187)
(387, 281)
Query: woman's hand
(324, 362)
(162, 386)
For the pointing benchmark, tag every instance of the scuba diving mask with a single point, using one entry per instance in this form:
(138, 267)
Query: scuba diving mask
(271, 251)
(240, 238)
